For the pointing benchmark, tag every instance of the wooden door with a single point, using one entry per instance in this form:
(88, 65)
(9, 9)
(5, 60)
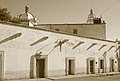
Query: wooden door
(102, 66)
(112, 65)
(92, 66)
(40, 68)
(71, 67)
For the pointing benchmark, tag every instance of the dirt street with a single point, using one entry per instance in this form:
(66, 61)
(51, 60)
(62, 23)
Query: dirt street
(93, 78)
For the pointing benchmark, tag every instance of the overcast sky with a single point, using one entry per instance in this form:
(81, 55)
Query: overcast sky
(70, 11)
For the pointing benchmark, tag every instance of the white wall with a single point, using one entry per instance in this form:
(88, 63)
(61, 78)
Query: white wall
(18, 51)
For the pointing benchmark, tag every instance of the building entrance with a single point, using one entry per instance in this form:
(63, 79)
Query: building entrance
(92, 66)
(112, 65)
(40, 68)
(71, 67)
(101, 66)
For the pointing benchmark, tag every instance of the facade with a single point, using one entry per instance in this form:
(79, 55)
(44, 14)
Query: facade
(29, 52)
(94, 27)
(85, 30)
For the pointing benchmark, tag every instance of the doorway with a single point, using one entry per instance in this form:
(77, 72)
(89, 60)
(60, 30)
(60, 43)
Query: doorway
(40, 68)
(101, 66)
(92, 66)
(71, 67)
(112, 65)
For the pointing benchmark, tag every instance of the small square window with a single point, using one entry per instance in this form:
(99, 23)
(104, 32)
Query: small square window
(74, 31)
(57, 29)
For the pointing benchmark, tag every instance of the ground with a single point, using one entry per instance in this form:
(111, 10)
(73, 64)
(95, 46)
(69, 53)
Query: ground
(112, 77)
(93, 78)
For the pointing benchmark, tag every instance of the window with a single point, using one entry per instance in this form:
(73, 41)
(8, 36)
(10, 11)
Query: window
(74, 31)
(57, 29)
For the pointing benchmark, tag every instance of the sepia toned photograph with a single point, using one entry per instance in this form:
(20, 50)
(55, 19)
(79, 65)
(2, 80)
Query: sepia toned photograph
(59, 40)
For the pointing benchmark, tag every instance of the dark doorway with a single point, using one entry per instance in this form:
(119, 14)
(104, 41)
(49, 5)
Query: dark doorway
(40, 68)
(112, 65)
(101, 66)
(71, 67)
(92, 66)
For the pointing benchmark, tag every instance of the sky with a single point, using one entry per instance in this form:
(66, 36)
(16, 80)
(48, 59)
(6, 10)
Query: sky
(70, 11)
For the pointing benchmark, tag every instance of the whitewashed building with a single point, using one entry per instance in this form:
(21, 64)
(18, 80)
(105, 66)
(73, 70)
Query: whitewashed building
(29, 52)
